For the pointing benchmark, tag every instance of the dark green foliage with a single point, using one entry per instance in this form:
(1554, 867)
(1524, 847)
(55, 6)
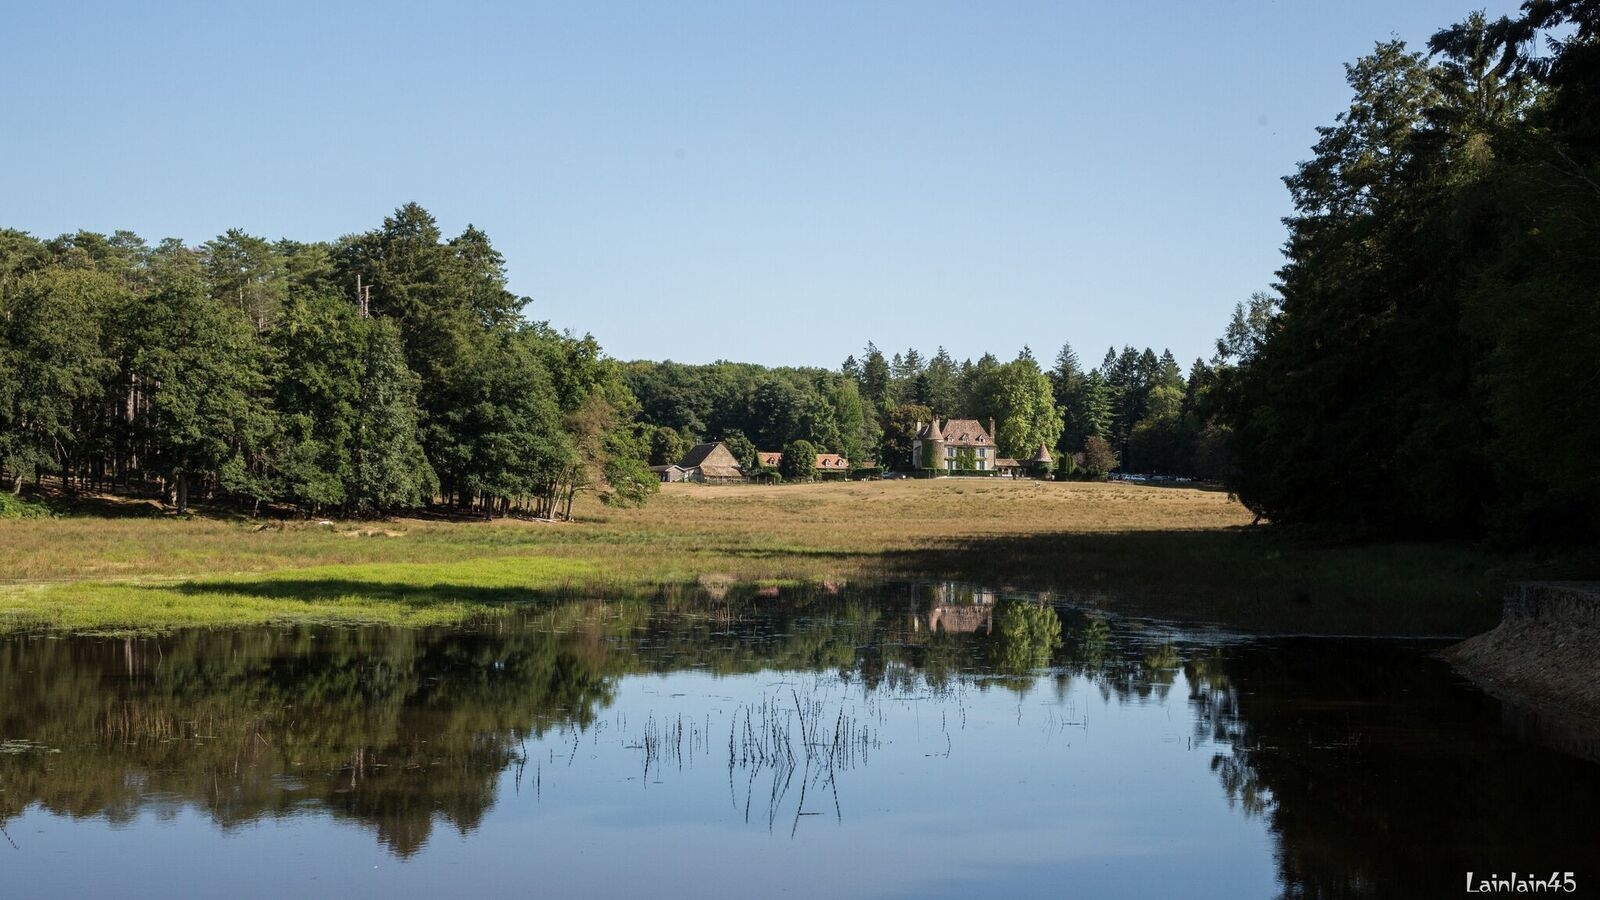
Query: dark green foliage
(1430, 370)
(899, 434)
(876, 386)
(254, 371)
(54, 361)
(937, 386)
(666, 446)
(743, 450)
(202, 372)
(799, 461)
(318, 351)
(1020, 399)
(388, 469)
(770, 406)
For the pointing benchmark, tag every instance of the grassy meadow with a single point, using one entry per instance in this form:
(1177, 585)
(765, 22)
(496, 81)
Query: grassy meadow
(1170, 552)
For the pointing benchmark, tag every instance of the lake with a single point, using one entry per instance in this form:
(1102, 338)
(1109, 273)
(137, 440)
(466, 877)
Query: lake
(907, 740)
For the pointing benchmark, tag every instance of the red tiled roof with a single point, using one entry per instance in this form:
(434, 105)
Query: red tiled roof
(832, 462)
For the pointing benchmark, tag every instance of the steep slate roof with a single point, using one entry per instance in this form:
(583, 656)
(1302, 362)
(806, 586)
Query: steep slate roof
(713, 460)
(697, 455)
(1043, 456)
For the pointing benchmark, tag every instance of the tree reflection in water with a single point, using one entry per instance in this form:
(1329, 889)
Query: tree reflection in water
(1366, 760)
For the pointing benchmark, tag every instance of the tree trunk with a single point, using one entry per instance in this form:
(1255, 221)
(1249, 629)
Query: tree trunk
(183, 493)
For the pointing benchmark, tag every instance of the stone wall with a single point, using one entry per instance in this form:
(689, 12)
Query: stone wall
(1574, 601)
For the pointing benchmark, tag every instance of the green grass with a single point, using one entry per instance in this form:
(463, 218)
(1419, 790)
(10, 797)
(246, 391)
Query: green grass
(1175, 553)
(409, 594)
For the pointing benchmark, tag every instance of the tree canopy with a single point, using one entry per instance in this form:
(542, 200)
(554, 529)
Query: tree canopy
(1423, 366)
(379, 372)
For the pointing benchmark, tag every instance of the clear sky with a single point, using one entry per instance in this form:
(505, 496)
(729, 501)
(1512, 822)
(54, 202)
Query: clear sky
(766, 182)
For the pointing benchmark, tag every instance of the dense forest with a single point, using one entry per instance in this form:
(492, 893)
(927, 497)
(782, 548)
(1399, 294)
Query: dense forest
(1425, 364)
(392, 369)
(382, 371)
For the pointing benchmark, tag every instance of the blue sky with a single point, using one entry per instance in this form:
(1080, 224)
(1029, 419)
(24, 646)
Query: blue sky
(775, 183)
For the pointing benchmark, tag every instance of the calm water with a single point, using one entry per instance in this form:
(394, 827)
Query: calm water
(910, 741)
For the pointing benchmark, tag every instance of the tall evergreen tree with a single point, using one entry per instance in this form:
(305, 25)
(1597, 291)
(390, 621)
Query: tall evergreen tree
(389, 469)
(876, 381)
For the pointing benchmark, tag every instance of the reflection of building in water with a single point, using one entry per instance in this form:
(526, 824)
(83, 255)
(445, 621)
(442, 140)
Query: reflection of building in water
(954, 608)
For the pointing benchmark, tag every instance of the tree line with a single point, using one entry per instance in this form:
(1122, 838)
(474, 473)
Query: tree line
(385, 370)
(1136, 410)
(392, 369)
(1427, 362)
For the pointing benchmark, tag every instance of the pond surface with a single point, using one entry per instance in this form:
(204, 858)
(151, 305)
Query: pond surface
(899, 741)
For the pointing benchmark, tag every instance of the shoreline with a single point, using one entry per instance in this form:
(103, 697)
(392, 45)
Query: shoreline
(1539, 662)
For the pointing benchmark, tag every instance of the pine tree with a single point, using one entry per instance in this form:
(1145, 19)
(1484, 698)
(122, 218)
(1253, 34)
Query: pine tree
(389, 469)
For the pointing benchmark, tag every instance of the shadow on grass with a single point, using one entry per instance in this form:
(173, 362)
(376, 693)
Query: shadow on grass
(323, 590)
(105, 507)
(1251, 578)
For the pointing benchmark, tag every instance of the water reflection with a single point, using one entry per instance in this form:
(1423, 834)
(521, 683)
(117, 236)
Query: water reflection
(1374, 770)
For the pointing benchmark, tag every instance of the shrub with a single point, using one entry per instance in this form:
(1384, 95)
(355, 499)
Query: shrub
(12, 507)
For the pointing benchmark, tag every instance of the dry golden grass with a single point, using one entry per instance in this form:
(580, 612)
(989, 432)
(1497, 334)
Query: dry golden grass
(840, 520)
(1167, 551)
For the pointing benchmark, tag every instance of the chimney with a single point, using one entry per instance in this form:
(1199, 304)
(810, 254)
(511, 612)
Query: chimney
(991, 428)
